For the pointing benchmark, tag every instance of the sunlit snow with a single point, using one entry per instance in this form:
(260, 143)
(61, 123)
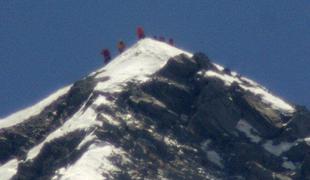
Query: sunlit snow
(136, 64)
(24, 114)
(81, 120)
(143, 59)
(268, 98)
(8, 170)
(95, 163)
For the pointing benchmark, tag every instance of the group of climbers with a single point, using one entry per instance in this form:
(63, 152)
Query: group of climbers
(121, 46)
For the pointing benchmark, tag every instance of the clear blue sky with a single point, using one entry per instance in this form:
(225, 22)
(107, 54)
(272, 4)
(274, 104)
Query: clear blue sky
(46, 44)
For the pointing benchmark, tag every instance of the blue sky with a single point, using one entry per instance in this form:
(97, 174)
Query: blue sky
(46, 44)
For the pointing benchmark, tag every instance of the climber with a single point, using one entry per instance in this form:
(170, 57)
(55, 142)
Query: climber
(121, 46)
(106, 55)
(140, 33)
(171, 41)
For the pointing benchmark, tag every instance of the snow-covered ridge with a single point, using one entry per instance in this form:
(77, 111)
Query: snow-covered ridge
(24, 114)
(93, 163)
(253, 87)
(139, 61)
(136, 64)
(8, 169)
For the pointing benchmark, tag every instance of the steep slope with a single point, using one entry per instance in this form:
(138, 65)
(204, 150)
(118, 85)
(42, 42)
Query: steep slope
(158, 112)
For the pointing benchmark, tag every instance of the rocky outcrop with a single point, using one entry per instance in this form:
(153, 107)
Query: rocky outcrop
(181, 103)
(17, 140)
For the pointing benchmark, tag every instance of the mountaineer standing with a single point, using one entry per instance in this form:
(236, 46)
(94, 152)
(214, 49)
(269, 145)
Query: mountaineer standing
(121, 46)
(106, 55)
(140, 33)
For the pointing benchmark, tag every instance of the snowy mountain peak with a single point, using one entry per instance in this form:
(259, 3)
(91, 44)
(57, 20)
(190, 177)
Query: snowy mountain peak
(157, 112)
(137, 63)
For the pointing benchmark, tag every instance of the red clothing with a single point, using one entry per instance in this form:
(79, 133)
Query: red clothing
(140, 33)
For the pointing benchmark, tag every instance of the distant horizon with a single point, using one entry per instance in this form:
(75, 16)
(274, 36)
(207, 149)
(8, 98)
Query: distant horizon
(47, 45)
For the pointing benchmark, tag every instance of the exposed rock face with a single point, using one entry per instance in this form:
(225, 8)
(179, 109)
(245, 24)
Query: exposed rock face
(17, 140)
(180, 124)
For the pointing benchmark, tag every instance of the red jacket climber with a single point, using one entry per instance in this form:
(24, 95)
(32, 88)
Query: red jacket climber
(121, 46)
(140, 33)
(106, 55)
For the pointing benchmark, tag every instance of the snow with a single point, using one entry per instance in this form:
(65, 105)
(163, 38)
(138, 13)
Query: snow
(24, 114)
(219, 67)
(234, 73)
(171, 142)
(307, 140)
(9, 169)
(268, 98)
(89, 138)
(102, 100)
(249, 81)
(136, 64)
(278, 149)
(289, 165)
(248, 130)
(81, 120)
(95, 163)
(251, 86)
(228, 80)
(214, 157)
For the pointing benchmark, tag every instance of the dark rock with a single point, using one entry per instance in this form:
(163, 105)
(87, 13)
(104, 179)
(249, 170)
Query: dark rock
(178, 125)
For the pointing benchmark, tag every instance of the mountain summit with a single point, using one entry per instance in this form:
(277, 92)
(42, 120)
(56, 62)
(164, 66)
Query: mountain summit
(158, 112)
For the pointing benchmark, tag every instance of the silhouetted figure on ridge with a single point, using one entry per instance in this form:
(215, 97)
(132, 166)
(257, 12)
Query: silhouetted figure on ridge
(106, 55)
(140, 33)
(121, 46)
(171, 41)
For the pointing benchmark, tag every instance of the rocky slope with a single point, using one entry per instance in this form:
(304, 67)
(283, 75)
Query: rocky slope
(157, 112)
